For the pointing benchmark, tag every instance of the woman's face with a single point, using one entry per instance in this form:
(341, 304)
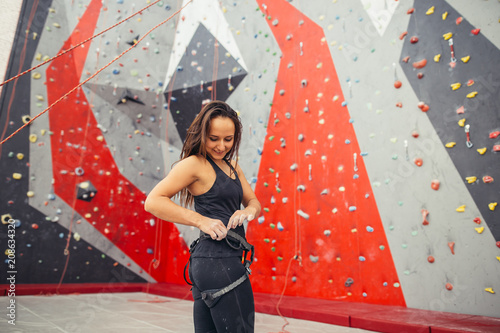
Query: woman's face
(220, 138)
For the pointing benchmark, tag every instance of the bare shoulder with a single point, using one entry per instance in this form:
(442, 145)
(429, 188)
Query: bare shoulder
(189, 162)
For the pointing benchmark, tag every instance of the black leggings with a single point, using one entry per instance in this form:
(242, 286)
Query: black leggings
(234, 312)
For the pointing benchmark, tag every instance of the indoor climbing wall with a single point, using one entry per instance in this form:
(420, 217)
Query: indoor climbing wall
(371, 137)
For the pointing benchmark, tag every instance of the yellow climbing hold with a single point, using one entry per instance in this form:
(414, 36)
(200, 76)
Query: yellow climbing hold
(43, 132)
(437, 57)
(461, 209)
(490, 290)
(472, 94)
(450, 144)
(36, 75)
(17, 176)
(430, 11)
(481, 150)
(498, 258)
(447, 36)
(444, 16)
(20, 156)
(471, 179)
(492, 205)
(33, 138)
(479, 230)
(77, 236)
(30, 194)
(38, 56)
(465, 59)
(455, 86)
(461, 122)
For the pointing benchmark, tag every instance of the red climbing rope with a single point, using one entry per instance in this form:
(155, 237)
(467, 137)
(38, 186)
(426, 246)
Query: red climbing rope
(77, 45)
(92, 76)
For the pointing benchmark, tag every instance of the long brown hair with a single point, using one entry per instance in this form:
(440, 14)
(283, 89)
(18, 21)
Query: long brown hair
(195, 143)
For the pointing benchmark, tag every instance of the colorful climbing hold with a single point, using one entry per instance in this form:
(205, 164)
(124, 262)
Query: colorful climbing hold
(435, 183)
(449, 286)
(451, 245)
(425, 213)
(461, 209)
(450, 144)
(492, 205)
(420, 64)
(479, 230)
(488, 179)
(471, 179)
(482, 150)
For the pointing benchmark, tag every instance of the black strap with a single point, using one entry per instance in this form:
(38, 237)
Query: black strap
(210, 297)
(242, 245)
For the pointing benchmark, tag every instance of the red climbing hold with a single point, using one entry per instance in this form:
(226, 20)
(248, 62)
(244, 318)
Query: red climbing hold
(403, 35)
(498, 244)
(34, 226)
(420, 75)
(449, 286)
(405, 59)
(494, 135)
(414, 40)
(415, 134)
(422, 106)
(477, 220)
(399, 105)
(496, 148)
(425, 212)
(397, 84)
(420, 63)
(487, 179)
(435, 184)
(475, 31)
(430, 259)
(451, 245)
(410, 11)
(418, 161)
(459, 20)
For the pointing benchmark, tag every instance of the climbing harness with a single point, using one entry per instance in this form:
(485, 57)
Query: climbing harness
(237, 242)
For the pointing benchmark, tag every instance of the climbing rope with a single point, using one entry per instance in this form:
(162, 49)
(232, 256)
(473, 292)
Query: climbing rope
(92, 76)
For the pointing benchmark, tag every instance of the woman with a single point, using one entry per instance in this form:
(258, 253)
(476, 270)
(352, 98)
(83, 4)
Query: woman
(209, 175)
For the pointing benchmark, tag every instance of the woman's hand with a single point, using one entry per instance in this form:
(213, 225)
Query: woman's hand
(239, 217)
(214, 228)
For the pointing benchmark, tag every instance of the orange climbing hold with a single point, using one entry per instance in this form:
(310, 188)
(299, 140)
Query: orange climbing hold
(420, 63)
(451, 245)
(425, 213)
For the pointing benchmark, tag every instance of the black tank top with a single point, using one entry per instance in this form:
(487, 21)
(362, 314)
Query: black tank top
(220, 202)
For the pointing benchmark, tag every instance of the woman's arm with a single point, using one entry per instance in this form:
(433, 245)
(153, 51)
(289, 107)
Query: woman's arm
(250, 202)
(159, 201)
